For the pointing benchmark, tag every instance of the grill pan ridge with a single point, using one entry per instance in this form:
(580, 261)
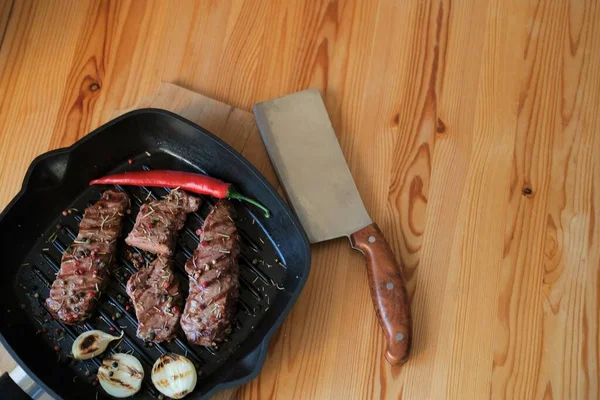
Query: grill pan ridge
(274, 262)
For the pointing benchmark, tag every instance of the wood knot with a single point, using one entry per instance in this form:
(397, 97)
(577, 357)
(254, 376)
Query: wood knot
(396, 120)
(440, 127)
(94, 87)
(527, 190)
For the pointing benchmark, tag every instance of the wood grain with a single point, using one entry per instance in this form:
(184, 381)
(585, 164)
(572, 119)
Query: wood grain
(471, 129)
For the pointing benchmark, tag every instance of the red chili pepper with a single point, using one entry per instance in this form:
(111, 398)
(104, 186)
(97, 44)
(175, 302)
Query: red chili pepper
(194, 183)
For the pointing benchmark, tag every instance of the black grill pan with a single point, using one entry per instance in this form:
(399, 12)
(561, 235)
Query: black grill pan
(275, 259)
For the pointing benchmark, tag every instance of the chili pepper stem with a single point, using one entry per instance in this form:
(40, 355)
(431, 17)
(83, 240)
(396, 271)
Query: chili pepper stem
(234, 194)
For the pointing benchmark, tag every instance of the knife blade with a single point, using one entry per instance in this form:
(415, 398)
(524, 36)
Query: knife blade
(311, 167)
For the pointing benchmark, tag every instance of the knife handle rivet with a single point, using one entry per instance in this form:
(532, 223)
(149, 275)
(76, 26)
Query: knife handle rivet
(389, 286)
(371, 239)
(399, 336)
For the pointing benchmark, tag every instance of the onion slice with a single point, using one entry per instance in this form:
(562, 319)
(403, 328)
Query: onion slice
(91, 343)
(121, 375)
(174, 375)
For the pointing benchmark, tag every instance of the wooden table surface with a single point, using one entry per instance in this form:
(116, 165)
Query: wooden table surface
(471, 128)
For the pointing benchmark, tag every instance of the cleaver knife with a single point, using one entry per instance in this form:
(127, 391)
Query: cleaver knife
(311, 167)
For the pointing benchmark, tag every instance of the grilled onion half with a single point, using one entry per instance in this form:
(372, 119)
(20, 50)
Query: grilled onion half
(121, 375)
(91, 343)
(174, 375)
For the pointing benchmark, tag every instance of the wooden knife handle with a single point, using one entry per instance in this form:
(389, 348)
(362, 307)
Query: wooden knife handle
(388, 290)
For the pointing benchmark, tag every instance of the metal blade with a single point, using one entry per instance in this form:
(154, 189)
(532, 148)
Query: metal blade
(310, 165)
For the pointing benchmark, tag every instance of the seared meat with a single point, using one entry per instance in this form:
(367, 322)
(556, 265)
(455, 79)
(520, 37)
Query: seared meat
(214, 279)
(158, 222)
(154, 291)
(84, 269)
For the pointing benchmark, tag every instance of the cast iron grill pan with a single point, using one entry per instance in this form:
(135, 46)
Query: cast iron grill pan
(274, 264)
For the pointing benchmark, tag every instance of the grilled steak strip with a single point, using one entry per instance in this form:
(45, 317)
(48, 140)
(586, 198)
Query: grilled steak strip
(154, 290)
(84, 269)
(155, 294)
(159, 221)
(214, 279)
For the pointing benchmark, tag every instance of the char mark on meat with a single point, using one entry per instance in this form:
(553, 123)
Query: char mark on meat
(85, 265)
(214, 279)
